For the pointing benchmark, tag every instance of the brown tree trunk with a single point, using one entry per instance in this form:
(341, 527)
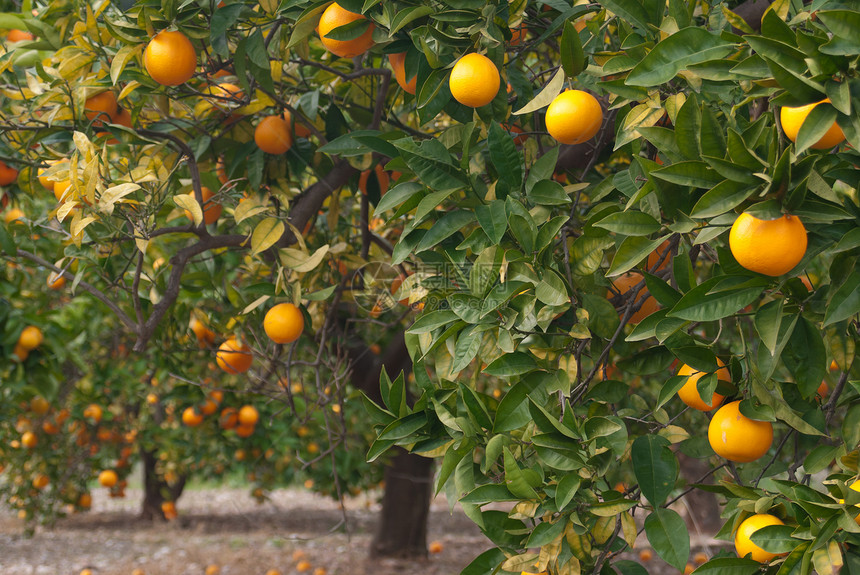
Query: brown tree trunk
(155, 488)
(402, 529)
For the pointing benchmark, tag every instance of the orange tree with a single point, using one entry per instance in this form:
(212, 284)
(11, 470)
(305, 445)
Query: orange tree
(674, 209)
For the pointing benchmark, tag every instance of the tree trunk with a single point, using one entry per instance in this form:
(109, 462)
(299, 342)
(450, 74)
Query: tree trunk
(402, 529)
(155, 488)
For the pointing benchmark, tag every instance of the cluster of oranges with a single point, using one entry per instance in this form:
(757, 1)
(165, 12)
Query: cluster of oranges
(283, 324)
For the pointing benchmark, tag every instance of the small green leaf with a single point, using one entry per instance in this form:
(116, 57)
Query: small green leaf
(572, 55)
(655, 466)
(668, 534)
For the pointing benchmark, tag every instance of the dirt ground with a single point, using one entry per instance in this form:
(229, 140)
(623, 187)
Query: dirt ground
(226, 527)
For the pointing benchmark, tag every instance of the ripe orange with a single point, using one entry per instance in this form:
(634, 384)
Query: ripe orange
(624, 284)
(108, 478)
(770, 247)
(56, 281)
(743, 543)
(234, 356)
(229, 418)
(663, 255)
(273, 571)
(212, 570)
(244, 430)
(170, 58)
(93, 412)
(191, 417)
(41, 481)
(436, 547)
(101, 108)
(303, 566)
(735, 437)
(19, 35)
(208, 407)
(284, 323)
(823, 389)
(689, 394)
(792, 119)
(398, 64)
(335, 17)
(272, 134)
(8, 175)
(574, 117)
(518, 34)
(205, 336)
(248, 415)
(646, 555)
(211, 209)
(381, 179)
(13, 215)
(85, 501)
(689, 568)
(474, 80)
(700, 558)
(31, 338)
(29, 439)
(39, 405)
(168, 508)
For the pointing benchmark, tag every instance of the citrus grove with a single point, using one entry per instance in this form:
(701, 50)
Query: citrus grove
(587, 260)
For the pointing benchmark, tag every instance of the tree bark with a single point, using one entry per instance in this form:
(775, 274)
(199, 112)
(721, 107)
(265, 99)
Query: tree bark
(155, 488)
(402, 528)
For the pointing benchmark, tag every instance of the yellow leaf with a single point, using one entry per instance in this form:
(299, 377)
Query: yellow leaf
(266, 234)
(79, 226)
(628, 529)
(115, 193)
(247, 208)
(674, 433)
(255, 304)
(65, 209)
(121, 60)
(572, 567)
(520, 562)
(301, 261)
(129, 88)
(142, 245)
(189, 204)
(83, 144)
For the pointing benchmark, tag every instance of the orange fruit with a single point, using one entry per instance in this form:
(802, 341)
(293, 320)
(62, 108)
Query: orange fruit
(574, 117)
(208, 407)
(823, 390)
(689, 394)
(284, 323)
(792, 119)
(244, 430)
(41, 481)
(743, 543)
(663, 255)
(19, 35)
(833, 365)
(474, 80)
(13, 215)
(170, 58)
(248, 415)
(398, 64)
(49, 184)
(518, 34)
(31, 337)
(191, 417)
(381, 179)
(101, 108)
(229, 418)
(39, 405)
(273, 572)
(205, 336)
(56, 281)
(168, 508)
(85, 501)
(769, 247)
(320, 571)
(8, 175)
(211, 209)
(272, 135)
(646, 555)
(108, 478)
(736, 437)
(29, 439)
(303, 565)
(212, 570)
(855, 487)
(700, 558)
(93, 412)
(689, 568)
(436, 547)
(623, 284)
(334, 17)
(234, 356)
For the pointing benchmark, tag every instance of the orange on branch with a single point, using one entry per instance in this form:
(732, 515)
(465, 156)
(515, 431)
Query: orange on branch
(170, 58)
(272, 135)
(334, 17)
(792, 119)
(689, 394)
(398, 64)
(736, 437)
(574, 117)
(284, 323)
(624, 284)
(743, 542)
(769, 247)
(234, 356)
(474, 80)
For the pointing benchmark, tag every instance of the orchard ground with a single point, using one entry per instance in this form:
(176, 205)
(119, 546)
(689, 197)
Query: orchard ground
(225, 526)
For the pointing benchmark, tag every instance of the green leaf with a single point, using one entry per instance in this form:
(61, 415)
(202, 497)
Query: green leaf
(548, 193)
(446, 226)
(655, 466)
(690, 173)
(673, 54)
(486, 563)
(305, 24)
(432, 163)
(515, 478)
(767, 321)
(551, 289)
(775, 538)
(566, 489)
(718, 298)
(407, 15)
(489, 493)
(7, 242)
(729, 566)
(800, 87)
(505, 157)
(844, 303)
(816, 124)
(844, 24)
(631, 252)
(546, 532)
(611, 508)
(546, 96)
(668, 535)
(397, 195)
(493, 219)
(513, 410)
(432, 320)
(631, 11)
(404, 427)
(587, 252)
(511, 364)
(629, 223)
(805, 357)
(572, 56)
